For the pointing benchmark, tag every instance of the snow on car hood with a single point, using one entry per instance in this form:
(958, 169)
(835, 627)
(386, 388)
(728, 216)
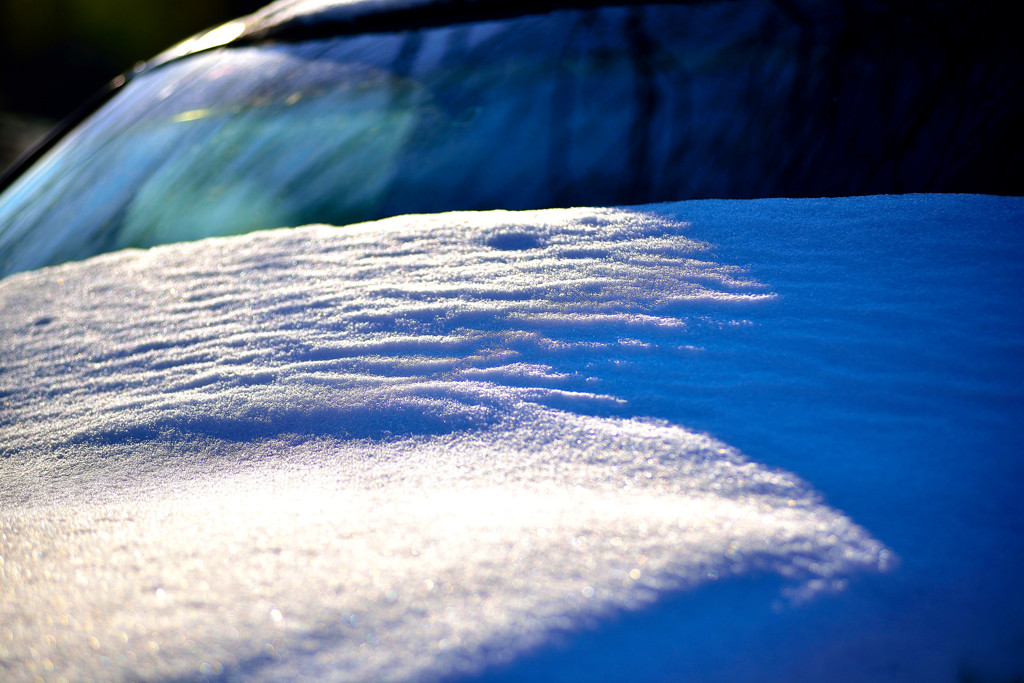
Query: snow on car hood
(420, 447)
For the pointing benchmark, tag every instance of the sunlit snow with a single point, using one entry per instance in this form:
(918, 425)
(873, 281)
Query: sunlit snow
(475, 443)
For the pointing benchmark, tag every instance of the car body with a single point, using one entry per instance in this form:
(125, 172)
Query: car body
(703, 430)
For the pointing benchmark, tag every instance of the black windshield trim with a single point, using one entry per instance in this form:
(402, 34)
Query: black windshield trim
(351, 20)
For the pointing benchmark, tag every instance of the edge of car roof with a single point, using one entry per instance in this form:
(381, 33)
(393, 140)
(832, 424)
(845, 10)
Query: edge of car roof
(334, 18)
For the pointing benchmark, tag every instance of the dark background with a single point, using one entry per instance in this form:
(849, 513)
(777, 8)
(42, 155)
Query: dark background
(54, 54)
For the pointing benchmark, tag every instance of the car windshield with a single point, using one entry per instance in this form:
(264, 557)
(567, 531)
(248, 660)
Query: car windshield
(340, 131)
(603, 106)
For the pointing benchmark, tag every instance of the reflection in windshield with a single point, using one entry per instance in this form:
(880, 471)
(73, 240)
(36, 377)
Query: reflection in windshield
(193, 150)
(309, 155)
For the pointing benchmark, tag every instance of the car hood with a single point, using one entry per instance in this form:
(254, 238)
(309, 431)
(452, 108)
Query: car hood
(730, 440)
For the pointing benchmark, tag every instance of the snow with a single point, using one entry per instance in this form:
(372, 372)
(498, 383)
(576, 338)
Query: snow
(710, 440)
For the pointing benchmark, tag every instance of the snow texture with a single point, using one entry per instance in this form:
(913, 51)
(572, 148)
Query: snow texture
(438, 446)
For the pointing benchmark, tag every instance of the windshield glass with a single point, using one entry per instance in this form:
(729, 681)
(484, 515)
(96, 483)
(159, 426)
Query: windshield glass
(605, 106)
(341, 131)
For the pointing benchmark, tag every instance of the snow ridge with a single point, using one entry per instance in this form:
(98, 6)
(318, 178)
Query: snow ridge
(378, 452)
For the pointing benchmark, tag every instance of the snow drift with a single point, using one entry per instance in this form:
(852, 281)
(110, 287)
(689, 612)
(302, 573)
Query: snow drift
(427, 446)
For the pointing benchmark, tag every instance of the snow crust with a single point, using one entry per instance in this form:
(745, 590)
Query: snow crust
(427, 446)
